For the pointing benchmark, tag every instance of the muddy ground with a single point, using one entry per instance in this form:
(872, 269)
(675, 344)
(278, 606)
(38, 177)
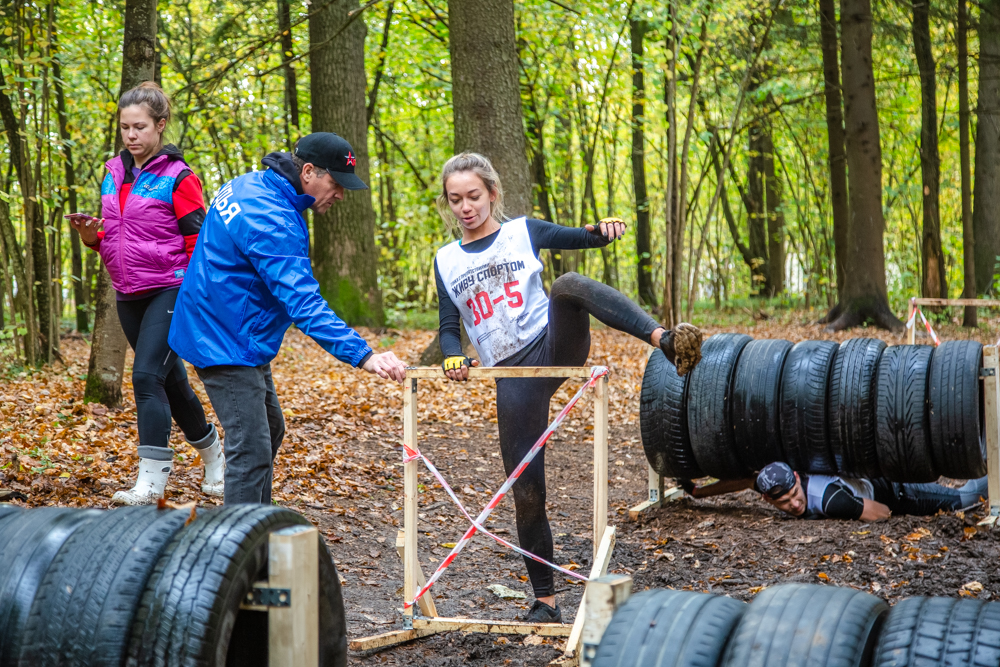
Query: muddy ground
(341, 467)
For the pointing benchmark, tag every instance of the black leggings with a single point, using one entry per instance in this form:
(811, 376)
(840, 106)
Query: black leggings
(523, 404)
(158, 377)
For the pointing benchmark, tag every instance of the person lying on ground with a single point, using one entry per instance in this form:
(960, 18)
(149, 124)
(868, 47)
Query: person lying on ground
(829, 497)
(152, 209)
(249, 279)
(490, 280)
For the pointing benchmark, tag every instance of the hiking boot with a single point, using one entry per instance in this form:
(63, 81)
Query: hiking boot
(212, 456)
(543, 613)
(149, 486)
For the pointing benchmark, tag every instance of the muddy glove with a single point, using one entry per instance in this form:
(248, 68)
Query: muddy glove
(456, 362)
(682, 347)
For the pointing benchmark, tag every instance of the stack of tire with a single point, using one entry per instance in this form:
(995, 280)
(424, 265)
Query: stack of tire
(796, 625)
(143, 586)
(907, 413)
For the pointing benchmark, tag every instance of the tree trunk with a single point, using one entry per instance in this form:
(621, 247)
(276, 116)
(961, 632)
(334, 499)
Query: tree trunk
(986, 188)
(864, 298)
(670, 311)
(108, 343)
(79, 293)
(835, 136)
(775, 221)
(291, 85)
(968, 235)
(643, 245)
(566, 202)
(486, 93)
(934, 281)
(759, 144)
(380, 66)
(345, 258)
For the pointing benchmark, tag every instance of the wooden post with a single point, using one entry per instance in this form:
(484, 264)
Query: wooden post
(600, 459)
(991, 389)
(911, 333)
(426, 601)
(293, 631)
(604, 596)
(410, 561)
(599, 568)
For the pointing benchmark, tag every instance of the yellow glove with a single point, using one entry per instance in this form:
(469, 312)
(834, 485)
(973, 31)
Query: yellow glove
(456, 362)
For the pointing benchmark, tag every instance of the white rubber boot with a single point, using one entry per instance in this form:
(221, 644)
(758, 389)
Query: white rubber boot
(215, 463)
(150, 485)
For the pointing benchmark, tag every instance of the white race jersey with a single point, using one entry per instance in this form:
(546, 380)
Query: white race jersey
(498, 292)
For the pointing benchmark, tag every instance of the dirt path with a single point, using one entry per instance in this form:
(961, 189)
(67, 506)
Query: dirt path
(340, 466)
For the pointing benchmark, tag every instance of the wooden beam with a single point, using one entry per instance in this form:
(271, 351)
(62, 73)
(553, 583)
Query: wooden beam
(426, 601)
(991, 389)
(979, 303)
(293, 631)
(669, 495)
(600, 459)
(441, 624)
(598, 569)
(410, 562)
(435, 372)
(390, 638)
(604, 596)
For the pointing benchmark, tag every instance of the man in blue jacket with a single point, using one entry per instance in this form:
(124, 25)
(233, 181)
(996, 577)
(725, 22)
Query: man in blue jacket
(248, 280)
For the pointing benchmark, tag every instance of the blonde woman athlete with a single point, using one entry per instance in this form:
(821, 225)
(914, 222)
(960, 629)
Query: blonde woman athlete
(491, 281)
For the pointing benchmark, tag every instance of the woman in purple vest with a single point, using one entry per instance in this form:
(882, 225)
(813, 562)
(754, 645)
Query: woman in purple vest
(152, 208)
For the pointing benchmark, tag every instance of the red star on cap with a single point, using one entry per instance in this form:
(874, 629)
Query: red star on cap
(351, 160)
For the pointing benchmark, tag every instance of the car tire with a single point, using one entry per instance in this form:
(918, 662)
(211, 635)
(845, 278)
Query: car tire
(710, 423)
(663, 420)
(805, 430)
(940, 631)
(957, 410)
(802, 624)
(904, 452)
(668, 628)
(853, 389)
(757, 402)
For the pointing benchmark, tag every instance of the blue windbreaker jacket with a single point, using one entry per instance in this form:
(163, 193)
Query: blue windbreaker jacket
(250, 277)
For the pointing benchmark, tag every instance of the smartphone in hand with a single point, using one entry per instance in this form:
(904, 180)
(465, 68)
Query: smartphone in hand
(83, 218)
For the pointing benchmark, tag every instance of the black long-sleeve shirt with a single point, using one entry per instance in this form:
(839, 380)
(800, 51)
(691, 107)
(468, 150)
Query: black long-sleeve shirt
(543, 235)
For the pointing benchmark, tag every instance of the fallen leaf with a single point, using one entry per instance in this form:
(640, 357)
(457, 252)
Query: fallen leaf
(448, 545)
(972, 587)
(823, 576)
(505, 593)
(918, 534)
(969, 532)
(534, 640)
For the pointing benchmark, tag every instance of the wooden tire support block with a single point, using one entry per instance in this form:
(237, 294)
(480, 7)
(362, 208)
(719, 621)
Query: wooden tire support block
(290, 596)
(427, 622)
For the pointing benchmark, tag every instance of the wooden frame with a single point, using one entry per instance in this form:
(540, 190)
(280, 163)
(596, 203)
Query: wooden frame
(911, 333)
(991, 390)
(427, 622)
(293, 617)
(657, 494)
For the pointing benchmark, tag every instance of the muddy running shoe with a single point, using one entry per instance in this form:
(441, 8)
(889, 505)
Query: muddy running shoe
(543, 613)
(682, 347)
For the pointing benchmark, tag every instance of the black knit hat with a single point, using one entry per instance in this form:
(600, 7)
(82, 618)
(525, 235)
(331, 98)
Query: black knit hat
(331, 152)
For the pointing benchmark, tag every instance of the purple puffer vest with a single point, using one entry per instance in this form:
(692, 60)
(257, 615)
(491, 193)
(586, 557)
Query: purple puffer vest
(142, 245)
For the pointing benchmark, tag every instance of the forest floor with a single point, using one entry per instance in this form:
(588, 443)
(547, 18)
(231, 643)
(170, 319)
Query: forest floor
(340, 466)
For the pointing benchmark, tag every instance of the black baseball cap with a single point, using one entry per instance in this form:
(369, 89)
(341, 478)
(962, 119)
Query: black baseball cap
(775, 480)
(331, 152)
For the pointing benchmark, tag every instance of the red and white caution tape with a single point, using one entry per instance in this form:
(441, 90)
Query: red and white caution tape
(911, 321)
(477, 524)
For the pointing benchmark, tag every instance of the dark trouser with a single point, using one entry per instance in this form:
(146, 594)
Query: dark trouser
(159, 380)
(247, 407)
(523, 404)
(927, 499)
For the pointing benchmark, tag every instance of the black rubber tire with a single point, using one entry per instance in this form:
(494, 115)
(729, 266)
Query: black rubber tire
(904, 452)
(667, 628)
(85, 605)
(189, 614)
(853, 387)
(803, 624)
(8, 511)
(29, 542)
(957, 410)
(805, 382)
(663, 420)
(710, 423)
(757, 402)
(940, 631)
